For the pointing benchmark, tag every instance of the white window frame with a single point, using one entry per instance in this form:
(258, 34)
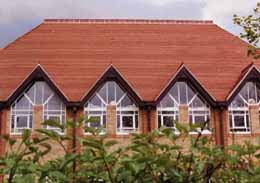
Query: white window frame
(104, 129)
(245, 113)
(29, 112)
(175, 116)
(16, 129)
(117, 102)
(121, 130)
(175, 108)
(102, 111)
(206, 115)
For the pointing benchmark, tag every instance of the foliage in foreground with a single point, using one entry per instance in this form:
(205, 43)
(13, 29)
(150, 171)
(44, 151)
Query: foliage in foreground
(146, 159)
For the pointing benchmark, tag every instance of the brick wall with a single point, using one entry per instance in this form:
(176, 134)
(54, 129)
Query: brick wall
(143, 125)
(111, 120)
(37, 118)
(184, 114)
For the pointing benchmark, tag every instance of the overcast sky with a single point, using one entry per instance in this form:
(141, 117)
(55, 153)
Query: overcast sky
(19, 16)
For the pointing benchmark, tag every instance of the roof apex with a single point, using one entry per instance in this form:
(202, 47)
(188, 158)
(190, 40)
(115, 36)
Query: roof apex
(127, 21)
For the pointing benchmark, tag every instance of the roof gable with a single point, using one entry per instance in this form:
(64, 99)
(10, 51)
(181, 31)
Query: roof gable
(184, 74)
(251, 73)
(112, 74)
(38, 74)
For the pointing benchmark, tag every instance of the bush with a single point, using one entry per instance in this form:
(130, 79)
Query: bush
(145, 159)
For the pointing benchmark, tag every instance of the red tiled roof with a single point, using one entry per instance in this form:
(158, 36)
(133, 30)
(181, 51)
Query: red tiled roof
(147, 53)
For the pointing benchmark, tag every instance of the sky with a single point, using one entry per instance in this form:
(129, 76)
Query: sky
(20, 16)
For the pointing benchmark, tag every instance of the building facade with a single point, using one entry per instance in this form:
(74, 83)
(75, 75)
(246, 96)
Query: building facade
(130, 76)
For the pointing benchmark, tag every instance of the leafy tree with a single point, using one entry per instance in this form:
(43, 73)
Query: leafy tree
(251, 29)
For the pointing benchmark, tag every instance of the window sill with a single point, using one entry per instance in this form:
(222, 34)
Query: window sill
(239, 133)
(205, 132)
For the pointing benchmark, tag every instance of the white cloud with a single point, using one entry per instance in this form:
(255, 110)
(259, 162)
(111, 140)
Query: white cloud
(167, 2)
(221, 10)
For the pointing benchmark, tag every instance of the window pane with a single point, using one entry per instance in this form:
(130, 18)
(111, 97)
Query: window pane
(190, 93)
(31, 94)
(197, 102)
(21, 121)
(95, 102)
(159, 121)
(244, 92)
(103, 93)
(252, 92)
(183, 93)
(39, 93)
(175, 92)
(23, 104)
(239, 121)
(167, 102)
(111, 92)
(168, 121)
(127, 121)
(47, 92)
(136, 121)
(54, 103)
(126, 102)
(95, 121)
(238, 102)
(119, 93)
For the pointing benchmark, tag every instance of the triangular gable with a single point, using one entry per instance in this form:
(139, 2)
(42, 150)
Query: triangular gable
(250, 73)
(112, 74)
(184, 74)
(38, 74)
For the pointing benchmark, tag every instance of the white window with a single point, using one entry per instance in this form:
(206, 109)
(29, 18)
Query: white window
(97, 118)
(127, 112)
(182, 94)
(238, 109)
(127, 121)
(39, 94)
(55, 110)
(199, 113)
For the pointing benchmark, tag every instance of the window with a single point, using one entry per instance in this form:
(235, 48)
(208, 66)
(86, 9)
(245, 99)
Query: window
(97, 119)
(238, 109)
(54, 109)
(39, 94)
(127, 121)
(199, 113)
(182, 94)
(127, 112)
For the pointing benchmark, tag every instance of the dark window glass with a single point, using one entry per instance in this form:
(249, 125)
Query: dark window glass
(127, 121)
(136, 121)
(239, 121)
(168, 121)
(21, 121)
(159, 121)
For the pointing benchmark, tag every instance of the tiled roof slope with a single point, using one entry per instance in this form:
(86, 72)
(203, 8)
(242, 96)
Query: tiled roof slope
(147, 53)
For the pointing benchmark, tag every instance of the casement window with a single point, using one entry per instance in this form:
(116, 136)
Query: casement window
(126, 110)
(97, 118)
(182, 94)
(127, 121)
(199, 113)
(39, 94)
(239, 120)
(54, 109)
